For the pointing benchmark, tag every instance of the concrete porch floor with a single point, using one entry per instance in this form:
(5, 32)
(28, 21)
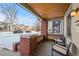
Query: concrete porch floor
(45, 48)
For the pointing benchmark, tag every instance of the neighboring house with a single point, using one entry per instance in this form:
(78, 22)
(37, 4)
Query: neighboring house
(5, 26)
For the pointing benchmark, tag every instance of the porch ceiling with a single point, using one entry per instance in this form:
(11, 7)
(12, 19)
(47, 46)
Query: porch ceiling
(47, 10)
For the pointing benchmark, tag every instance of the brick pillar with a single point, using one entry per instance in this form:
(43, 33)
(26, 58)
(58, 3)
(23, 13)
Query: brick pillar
(44, 28)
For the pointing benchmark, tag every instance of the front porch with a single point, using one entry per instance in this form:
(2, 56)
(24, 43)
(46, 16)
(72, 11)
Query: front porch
(56, 24)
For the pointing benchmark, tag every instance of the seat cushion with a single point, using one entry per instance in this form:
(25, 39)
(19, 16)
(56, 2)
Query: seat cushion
(61, 46)
(59, 49)
(59, 40)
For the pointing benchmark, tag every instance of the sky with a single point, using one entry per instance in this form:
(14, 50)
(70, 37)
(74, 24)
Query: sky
(23, 16)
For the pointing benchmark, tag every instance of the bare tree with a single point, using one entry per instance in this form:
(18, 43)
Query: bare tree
(9, 11)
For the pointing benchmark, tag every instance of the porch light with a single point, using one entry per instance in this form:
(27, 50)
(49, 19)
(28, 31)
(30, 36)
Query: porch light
(75, 12)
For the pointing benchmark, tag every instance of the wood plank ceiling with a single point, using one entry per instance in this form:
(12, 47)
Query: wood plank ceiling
(49, 10)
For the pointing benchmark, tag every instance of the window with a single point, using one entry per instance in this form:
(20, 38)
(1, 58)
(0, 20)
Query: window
(55, 27)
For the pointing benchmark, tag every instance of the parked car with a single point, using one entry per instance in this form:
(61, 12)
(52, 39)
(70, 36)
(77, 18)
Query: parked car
(18, 31)
(27, 31)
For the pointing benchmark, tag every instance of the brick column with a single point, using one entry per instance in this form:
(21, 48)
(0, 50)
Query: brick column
(44, 28)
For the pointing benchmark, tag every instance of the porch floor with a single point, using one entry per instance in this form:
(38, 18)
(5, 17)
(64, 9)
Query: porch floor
(45, 48)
